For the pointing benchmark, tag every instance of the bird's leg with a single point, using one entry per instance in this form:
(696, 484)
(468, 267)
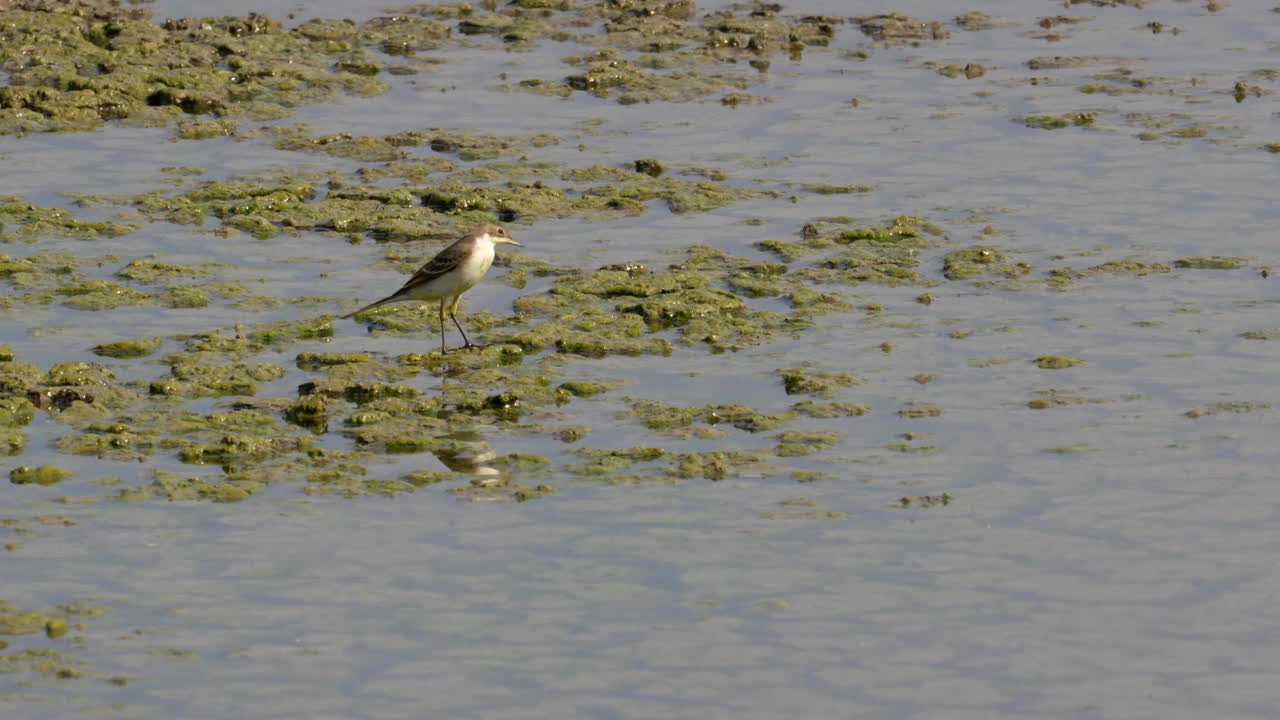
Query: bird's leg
(453, 314)
(442, 347)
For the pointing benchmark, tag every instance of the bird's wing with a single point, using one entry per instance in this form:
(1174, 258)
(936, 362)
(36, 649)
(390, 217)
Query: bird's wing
(447, 259)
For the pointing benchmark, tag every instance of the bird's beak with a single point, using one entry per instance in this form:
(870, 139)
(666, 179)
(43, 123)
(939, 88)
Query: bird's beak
(509, 241)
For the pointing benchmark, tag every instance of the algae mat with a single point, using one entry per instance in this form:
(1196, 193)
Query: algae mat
(894, 363)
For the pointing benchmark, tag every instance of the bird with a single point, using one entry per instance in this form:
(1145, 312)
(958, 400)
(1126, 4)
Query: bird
(453, 271)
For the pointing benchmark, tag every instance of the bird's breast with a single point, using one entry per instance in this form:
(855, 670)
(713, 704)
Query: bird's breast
(468, 273)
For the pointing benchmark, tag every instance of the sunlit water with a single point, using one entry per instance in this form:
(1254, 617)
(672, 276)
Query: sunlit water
(1110, 559)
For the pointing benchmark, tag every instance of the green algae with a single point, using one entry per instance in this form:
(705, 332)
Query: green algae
(1057, 122)
(925, 501)
(79, 388)
(238, 440)
(205, 129)
(1227, 408)
(603, 462)
(1056, 362)
(14, 623)
(192, 379)
(42, 661)
(794, 443)
(909, 449)
(16, 412)
(804, 381)
(234, 450)
(422, 478)
(147, 270)
(6, 353)
(501, 489)
(1211, 262)
(316, 360)
(1068, 449)
(114, 441)
(715, 312)
(338, 482)
(978, 261)
(896, 30)
(582, 388)
(1128, 267)
(796, 515)
(786, 250)
(522, 463)
(916, 411)
(838, 189)
(444, 208)
(392, 149)
(657, 464)
(605, 74)
(618, 309)
(885, 254)
(31, 223)
(55, 628)
(310, 412)
(42, 475)
(671, 419)
(1060, 398)
(827, 410)
(12, 442)
(73, 67)
(16, 377)
(715, 464)
(102, 295)
(649, 166)
(1059, 62)
(125, 349)
(54, 624)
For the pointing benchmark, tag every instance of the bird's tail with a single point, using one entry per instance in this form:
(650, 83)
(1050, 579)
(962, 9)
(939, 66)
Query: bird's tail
(370, 306)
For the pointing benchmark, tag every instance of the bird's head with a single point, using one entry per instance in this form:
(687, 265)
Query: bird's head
(498, 235)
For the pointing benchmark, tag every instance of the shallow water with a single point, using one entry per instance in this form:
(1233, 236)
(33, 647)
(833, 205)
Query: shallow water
(1107, 557)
